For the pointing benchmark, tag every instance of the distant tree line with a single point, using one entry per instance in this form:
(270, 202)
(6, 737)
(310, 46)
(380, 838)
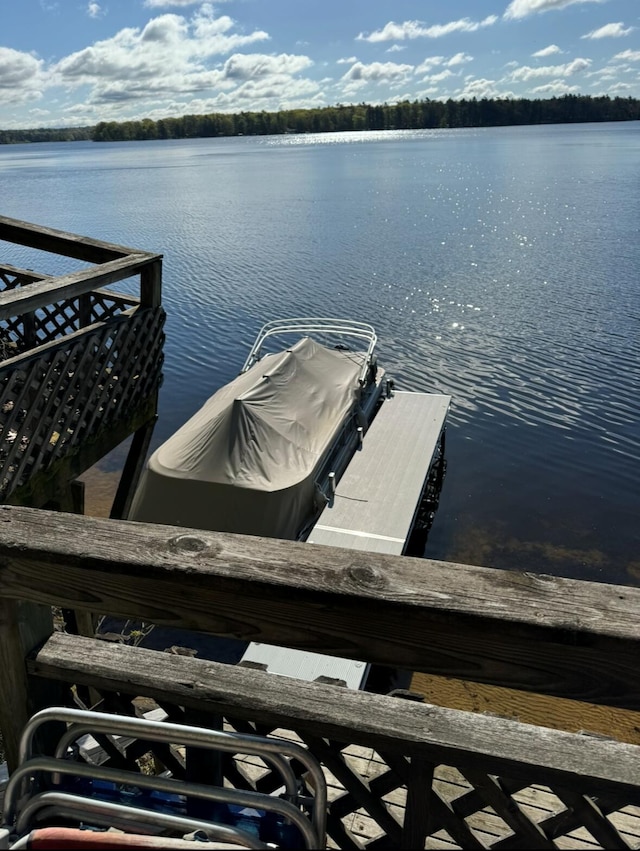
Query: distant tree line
(407, 115)
(69, 134)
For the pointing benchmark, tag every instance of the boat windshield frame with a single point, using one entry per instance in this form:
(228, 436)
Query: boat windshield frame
(334, 329)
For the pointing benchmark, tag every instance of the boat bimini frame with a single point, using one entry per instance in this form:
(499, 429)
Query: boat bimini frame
(334, 330)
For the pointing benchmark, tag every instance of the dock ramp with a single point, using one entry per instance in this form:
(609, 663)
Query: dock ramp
(374, 509)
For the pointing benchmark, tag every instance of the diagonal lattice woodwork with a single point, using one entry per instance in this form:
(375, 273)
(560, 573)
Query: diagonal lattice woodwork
(11, 278)
(54, 398)
(386, 800)
(58, 319)
(54, 321)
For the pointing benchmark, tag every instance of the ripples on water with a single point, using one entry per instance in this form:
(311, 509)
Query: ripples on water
(499, 266)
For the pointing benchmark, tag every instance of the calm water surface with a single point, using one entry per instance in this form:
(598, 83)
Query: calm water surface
(498, 265)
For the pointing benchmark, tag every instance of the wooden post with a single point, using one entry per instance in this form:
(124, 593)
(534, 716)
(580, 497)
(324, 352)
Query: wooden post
(29, 330)
(132, 470)
(151, 284)
(202, 764)
(417, 816)
(84, 310)
(78, 622)
(23, 627)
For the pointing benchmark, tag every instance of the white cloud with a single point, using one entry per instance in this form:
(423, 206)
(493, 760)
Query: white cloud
(378, 71)
(439, 78)
(609, 72)
(416, 29)
(173, 66)
(631, 55)
(459, 59)
(348, 61)
(429, 63)
(477, 87)
(94, 10)
(360, 75)
(616, 30)
(21, 76)
(252, 66)
(557, 88)
(526, 73)
(166, 48)
(547, 51)
(213, 34)
(522, 8)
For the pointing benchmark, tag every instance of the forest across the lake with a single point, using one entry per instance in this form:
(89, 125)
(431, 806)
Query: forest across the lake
(407, 115)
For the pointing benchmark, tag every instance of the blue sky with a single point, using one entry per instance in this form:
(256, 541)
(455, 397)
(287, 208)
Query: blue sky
(74, 62)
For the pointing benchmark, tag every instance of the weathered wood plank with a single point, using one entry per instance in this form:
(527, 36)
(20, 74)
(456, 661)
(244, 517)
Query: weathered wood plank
(443, 736)
(60, 242)
(42, 293)
(535, 633)
(24, 274)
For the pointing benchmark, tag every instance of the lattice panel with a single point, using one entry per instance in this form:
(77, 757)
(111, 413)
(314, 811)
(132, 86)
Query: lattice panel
(53, 400)
(390, 801)
(57, 320)
(9, 279)
(104, 305)
(62, 318)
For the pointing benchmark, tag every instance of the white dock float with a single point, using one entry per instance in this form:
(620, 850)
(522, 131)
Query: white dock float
(304, 665)
(377, 498)
(374, 510)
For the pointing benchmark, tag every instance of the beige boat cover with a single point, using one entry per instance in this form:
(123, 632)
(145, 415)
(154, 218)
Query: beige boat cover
(247, 460)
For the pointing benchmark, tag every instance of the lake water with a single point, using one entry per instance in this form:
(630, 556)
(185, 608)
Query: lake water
(498, 265)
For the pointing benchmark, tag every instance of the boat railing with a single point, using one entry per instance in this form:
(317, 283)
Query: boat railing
(321, 327)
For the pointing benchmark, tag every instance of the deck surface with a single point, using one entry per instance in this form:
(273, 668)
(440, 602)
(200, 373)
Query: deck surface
(377, 497)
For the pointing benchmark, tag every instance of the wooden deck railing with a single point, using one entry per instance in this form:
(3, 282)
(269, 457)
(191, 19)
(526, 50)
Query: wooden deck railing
(403, 773)
(80, 364)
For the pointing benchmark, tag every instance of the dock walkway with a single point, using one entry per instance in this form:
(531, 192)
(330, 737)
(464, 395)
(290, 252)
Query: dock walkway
(377, 498)
(373, 509)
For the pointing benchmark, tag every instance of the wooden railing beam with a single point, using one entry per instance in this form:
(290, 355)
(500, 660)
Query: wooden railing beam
(388, 724)
(535, 633)
(60, 242)
(42, 293)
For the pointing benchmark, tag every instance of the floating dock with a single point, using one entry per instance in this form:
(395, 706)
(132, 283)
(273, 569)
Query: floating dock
(377, 499)
(374, 509)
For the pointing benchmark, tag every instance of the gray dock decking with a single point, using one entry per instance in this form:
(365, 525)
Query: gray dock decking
(377, 498)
